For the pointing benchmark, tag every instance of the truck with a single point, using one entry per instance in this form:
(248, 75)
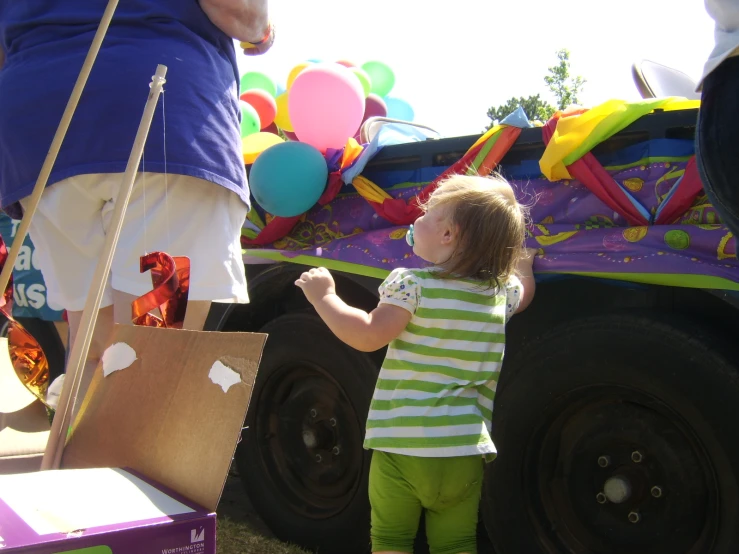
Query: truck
(615, 415)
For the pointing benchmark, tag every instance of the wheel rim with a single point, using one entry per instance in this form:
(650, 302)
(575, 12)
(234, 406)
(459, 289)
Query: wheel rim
(612, 469)
(309, 440)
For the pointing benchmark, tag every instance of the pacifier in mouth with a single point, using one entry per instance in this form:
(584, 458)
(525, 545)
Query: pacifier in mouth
(409, 236)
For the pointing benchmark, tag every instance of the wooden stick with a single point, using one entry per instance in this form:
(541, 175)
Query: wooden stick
(80, 348)
(56, 144)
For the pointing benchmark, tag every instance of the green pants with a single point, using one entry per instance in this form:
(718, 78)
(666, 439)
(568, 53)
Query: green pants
(400, 487)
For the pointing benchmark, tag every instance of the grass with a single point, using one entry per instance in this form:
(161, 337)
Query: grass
(236, 537)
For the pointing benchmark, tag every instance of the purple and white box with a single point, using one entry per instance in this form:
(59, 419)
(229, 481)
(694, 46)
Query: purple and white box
(99, 511)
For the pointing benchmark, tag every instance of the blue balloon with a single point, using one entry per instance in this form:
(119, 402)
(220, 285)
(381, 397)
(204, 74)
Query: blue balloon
(288, 178)
(398, 109)
(280, 88)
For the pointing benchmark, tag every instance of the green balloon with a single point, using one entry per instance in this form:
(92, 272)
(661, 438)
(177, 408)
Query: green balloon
(364, 79)
(255, 79)
(381, 77)
(249, 120)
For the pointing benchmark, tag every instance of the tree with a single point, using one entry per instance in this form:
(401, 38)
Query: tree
(559, 82)
(534, 106)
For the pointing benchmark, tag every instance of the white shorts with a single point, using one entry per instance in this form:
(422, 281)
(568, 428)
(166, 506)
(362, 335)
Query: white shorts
(189, 217)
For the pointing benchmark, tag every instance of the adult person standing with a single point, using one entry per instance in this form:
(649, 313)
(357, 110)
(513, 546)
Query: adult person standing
(191, 197)
(717, 134)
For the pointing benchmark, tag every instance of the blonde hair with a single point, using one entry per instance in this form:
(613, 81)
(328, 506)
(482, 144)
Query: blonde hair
(491, 223)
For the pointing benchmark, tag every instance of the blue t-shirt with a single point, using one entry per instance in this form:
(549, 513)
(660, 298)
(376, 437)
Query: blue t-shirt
(46, 41)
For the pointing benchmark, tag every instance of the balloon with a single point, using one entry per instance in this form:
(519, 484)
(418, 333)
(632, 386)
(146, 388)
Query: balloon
(381, 77)
(255, 79)
(288, 178)
(363, 78)
(249, 119)
(399, 109)
(290, 135)
(314, 60)
(295, 71)
(374, 106)
(280, 89)
(346, 63)
(282, 119)
(271, 128)
(326, 105)
(253, 145)
(263, 103)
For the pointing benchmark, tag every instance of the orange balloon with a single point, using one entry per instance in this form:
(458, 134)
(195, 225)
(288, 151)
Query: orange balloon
(346, 63)
(263, 102)
(256, 143)
(295, 71)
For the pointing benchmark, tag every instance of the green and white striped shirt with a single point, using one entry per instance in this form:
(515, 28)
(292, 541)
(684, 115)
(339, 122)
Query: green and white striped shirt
(435, 393)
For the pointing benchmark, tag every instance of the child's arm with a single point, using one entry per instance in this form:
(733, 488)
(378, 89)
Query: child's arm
(525, 272)
(361, 330)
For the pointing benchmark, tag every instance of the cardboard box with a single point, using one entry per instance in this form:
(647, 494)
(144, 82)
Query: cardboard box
(99, 511)
(168, 405)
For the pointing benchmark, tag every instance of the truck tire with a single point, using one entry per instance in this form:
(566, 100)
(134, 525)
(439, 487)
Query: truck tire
(617, 433)
(301, 457)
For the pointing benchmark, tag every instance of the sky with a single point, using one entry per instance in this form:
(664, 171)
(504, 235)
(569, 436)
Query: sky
(454, 59)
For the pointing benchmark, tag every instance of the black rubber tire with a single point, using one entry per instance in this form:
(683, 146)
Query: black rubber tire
(669, 359)
(296, 340)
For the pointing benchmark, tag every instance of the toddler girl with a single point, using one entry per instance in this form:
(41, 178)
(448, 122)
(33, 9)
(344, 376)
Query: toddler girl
(429, 422)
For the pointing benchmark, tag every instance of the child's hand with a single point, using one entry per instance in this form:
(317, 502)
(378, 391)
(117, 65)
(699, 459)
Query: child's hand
(316, 284)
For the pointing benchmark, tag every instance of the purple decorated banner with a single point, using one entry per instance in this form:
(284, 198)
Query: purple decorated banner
(573, 231)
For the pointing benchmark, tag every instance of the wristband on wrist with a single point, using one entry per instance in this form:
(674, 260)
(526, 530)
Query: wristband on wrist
(268, 35)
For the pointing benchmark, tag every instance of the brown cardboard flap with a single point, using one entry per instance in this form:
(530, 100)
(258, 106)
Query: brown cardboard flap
(163, 416)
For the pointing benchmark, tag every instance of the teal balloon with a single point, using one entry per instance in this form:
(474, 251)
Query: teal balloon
(398, 108)
(255, 79)
(288, 178)
(250, 122)
(381, 77)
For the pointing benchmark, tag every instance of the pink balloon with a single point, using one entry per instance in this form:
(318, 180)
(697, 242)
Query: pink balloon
(263, 102)
(374, 106)
(326, 105)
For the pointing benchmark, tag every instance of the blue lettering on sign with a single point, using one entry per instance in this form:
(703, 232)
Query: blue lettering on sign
(29, 289)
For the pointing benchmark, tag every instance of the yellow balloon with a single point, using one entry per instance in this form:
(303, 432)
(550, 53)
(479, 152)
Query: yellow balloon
(256, 143)
(282, 119)
(295, 71)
